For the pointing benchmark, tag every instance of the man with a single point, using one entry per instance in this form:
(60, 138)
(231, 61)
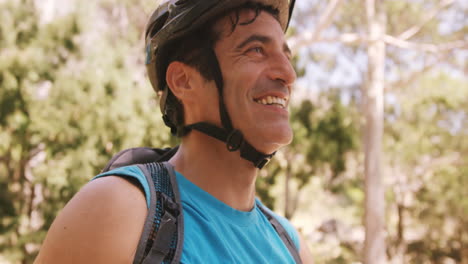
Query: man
(223, 69)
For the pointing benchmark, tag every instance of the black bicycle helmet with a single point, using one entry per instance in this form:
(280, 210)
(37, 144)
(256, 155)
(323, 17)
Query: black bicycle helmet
(174, 19)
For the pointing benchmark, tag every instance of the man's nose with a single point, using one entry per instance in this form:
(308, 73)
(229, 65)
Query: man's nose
(282, 69)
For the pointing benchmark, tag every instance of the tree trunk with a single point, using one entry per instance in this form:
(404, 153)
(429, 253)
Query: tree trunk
(287, 194)
(463, 238)
(400, 244)
(374, 248)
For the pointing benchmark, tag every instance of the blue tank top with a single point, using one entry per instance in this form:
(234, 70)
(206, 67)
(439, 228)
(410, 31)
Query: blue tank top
(216, 233)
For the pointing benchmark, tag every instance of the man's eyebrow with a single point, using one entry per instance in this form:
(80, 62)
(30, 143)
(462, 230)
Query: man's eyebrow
(263, 39)
(260, 38)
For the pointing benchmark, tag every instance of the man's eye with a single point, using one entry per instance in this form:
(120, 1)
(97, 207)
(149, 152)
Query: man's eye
(256, 50)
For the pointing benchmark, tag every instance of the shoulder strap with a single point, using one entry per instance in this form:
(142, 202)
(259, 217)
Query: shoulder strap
(162, 237)
(164, 242)
(283, 234)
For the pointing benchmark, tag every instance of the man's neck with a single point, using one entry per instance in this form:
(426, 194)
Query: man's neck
(207, 163)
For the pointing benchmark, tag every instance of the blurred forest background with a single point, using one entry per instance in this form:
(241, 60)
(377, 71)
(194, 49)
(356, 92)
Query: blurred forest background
(377, 171)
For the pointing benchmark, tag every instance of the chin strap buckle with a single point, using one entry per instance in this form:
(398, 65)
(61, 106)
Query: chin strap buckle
(262, 162)
(234, 140)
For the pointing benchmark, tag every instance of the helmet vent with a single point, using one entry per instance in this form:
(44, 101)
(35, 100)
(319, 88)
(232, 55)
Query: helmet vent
(158, 24)
(182, 2)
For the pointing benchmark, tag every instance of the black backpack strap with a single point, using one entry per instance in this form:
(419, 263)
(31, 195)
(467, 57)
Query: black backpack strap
(165, 241)
(162, 237)
(180, 217)
(283, 234)
(139, 155)
(148, 226)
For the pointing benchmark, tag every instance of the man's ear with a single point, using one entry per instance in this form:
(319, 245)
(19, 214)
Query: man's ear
(179, 78)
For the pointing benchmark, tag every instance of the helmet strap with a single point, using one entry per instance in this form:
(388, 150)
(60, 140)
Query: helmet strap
(218, 78)
(234, 141)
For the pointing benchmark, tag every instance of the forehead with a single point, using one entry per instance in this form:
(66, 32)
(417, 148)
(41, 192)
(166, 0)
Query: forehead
(237, 24)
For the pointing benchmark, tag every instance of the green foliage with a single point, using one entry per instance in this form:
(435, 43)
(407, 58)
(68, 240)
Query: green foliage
(324, 135)
(69, 100)
(428, 142)
(425, 138)
(331, 137)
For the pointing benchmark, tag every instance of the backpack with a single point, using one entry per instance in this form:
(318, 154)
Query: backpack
(163, 231)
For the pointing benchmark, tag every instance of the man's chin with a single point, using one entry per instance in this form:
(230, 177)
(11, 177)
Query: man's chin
(271, 143)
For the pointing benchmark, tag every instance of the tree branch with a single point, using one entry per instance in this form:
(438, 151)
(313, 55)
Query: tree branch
(414, 75)
(426, 47)
(324, 21)
(353, 38)
(412, 31)
(347, 38)
(306, 40)
(401, 41)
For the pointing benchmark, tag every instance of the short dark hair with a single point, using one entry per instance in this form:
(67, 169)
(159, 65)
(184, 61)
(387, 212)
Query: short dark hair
(193, 50)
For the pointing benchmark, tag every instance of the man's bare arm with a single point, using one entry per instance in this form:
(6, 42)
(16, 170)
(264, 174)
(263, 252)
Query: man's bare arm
(102, 223)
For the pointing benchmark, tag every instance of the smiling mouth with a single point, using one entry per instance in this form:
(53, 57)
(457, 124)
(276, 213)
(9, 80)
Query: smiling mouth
(272, 100)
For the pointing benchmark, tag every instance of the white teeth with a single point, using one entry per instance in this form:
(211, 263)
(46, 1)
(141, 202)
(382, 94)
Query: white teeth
(273, 100)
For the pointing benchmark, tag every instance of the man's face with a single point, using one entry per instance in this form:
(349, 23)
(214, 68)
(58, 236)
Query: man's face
(258, 76)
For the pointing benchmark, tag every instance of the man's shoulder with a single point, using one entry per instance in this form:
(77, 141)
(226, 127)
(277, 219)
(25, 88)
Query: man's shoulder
(104, 218)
